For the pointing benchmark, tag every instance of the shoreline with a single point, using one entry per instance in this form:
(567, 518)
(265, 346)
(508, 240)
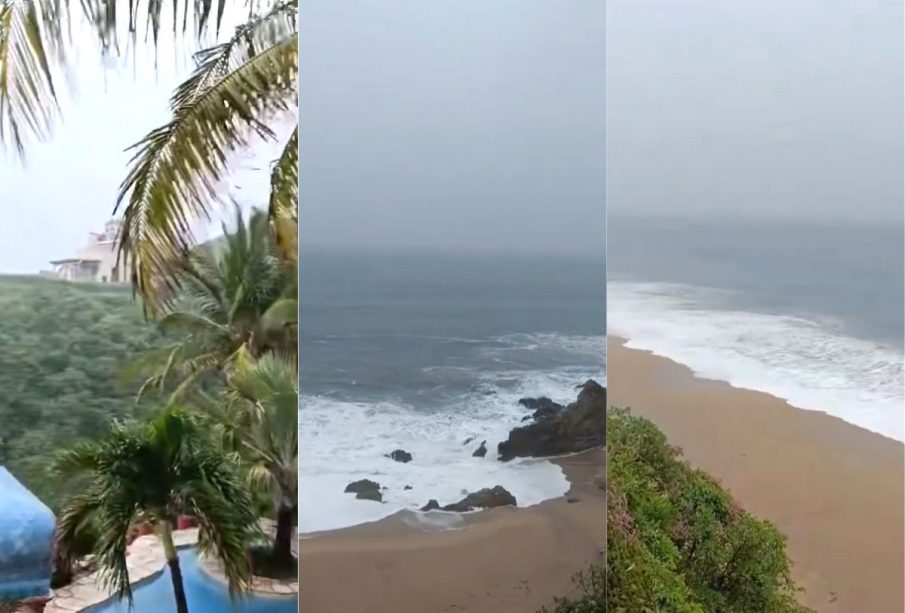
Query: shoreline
(502, 560)
(836, 490)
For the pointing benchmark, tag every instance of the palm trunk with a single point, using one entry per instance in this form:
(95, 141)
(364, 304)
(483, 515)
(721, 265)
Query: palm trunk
(172, 556)
(282, 544)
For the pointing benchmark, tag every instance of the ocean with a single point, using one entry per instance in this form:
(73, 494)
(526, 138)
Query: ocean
(810, 313)
(421, 352)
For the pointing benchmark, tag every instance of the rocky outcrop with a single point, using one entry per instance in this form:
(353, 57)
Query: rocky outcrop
(579, 426)
(486, 498)
(365, 489)
(481, 451)
(400, 455)
(543, 407)
(432, 505)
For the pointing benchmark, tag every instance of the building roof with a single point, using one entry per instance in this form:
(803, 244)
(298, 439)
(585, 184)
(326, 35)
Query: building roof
(75, 261)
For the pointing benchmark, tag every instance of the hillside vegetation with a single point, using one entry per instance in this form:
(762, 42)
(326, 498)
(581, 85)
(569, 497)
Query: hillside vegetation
(62, 350)
(676, 541)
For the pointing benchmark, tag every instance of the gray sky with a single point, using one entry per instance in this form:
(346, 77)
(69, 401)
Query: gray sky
(453, 124)
(773, 108)
(69, 184)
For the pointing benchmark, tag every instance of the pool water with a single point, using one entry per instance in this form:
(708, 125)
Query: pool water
(204, 595)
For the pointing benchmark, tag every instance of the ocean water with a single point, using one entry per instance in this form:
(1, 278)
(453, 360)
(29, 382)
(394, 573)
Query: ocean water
(811, 314)
(422, 352)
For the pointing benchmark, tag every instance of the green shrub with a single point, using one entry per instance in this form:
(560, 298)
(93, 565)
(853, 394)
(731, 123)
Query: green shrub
(676, 541)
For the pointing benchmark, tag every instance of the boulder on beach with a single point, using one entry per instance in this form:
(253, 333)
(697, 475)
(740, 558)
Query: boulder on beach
(400, 455)
(432, 505)
(486, 498)
(481, 451)
(365, 489)
(577, 427)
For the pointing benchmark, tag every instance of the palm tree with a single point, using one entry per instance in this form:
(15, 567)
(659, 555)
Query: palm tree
(154, 472)
(267, 391)
(234, 294)
(240, 90)
(260, 423)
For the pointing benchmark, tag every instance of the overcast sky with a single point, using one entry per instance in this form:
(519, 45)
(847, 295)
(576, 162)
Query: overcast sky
(773, 108)
(69, 184)
(453, 124)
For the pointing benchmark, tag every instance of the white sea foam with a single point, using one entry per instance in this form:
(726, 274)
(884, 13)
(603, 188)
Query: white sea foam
(808, 362)
(340, 442)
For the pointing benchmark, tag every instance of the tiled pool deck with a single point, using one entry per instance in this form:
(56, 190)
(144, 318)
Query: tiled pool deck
(145, 559)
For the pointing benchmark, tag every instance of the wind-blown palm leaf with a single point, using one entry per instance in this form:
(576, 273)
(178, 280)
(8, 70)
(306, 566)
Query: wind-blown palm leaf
(28, 98)
(284, 194)
(35, 34)
(177, 169)
(237, 294)
(265, 395)
(254, 36)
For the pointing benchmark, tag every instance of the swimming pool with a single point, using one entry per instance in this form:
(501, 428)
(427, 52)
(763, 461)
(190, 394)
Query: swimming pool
(204, 595)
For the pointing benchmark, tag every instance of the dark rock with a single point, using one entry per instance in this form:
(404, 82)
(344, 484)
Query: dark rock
(573, 499)
(579, 426)
(431, 505)
(407, 487)
(468, 440)
(543, 407)
(486, 498)
(537, 403)
(481, 451)
(365, 489)
(400, 455)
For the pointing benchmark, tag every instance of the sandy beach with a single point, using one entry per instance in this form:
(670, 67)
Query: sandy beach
(834, 489)
(504, 560)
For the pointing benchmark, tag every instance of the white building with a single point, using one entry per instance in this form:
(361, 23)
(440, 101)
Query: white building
(96, 260)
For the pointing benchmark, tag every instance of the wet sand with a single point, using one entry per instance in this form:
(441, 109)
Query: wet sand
(504, 560)
(837, 491)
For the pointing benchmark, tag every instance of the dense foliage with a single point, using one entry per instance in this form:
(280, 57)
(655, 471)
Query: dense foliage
(62, 349)
(676, 541)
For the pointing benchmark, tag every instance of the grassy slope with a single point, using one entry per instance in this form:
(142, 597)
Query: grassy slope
(62, 349)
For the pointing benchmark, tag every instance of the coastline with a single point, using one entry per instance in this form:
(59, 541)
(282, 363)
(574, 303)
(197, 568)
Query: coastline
(503, 560)
(834, 489)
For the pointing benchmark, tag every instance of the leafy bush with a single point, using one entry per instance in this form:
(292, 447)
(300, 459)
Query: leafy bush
(677, 542)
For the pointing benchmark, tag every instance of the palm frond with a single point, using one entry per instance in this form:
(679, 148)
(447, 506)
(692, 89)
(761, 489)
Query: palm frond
(225, 513)
(284, 194)
(28, 98)
(249, 39)
(81, 458)
(114, 518)
(191, 323)
(76, 514)
(177, 169)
